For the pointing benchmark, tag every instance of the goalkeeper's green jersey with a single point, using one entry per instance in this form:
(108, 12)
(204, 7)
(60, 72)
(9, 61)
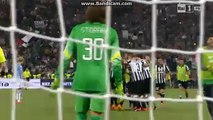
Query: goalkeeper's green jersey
(90, 74)
(207, 61)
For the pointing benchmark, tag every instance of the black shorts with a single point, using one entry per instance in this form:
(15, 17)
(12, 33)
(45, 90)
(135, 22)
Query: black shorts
(184, 84)
(130, 87)
(160, 86)
(147, 85)
(136, 88)
(112, 81)
(208, 91)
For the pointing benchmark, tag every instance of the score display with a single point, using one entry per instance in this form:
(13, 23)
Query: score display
(187, 8)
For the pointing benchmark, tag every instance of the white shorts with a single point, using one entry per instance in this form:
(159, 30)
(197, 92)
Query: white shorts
(21, 84)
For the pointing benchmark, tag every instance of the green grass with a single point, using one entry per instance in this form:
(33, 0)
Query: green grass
(39, 105)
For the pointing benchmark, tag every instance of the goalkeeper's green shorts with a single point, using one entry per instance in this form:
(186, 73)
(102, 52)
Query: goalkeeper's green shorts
(84, 104)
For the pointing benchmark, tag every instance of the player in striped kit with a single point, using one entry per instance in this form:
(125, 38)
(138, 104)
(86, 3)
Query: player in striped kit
(147, 78)
(147, 74)
(161, 70)
(136, 87)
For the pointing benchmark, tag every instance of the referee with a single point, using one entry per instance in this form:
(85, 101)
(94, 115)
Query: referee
(183, 73)
(161, 71)
(3, 64)
(207, 73)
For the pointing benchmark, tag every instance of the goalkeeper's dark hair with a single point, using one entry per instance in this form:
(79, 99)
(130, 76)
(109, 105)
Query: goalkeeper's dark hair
(95, 14)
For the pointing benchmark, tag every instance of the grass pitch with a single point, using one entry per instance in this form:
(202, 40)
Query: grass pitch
(39, 105)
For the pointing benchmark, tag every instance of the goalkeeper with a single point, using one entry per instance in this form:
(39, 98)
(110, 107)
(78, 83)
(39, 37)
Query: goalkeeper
(90, 72)
(207, 74)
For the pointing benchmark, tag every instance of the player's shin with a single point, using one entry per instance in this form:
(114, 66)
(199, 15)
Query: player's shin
(81, 116)
(18, 95)
(94, 117)
(162, 95)
(186, 94)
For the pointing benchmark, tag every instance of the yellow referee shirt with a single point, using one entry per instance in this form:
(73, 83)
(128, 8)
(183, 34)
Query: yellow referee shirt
(2, 57)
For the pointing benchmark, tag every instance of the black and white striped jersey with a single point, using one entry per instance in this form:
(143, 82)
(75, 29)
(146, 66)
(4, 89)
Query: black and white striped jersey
(136, 70)
(146, 70)
(161, 71)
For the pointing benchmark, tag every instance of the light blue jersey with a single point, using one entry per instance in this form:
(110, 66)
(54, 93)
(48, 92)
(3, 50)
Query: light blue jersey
(19, 71)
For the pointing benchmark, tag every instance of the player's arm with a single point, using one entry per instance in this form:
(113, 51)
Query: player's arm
(128, 67)
(187, 70)
(205, 66)
(167, 69)
(116, 64)
(168, 73)
(145, 63)
(22, 75)
(68, 55)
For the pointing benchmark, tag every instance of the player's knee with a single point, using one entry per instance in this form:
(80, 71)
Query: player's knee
(95, 113)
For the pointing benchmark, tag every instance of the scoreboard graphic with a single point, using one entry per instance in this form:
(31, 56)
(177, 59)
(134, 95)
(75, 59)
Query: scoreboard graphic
(187, 8)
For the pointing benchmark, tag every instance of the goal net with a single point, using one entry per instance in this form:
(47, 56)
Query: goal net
(183, 6)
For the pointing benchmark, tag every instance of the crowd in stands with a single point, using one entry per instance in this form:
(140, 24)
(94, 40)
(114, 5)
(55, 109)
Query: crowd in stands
(133, 23)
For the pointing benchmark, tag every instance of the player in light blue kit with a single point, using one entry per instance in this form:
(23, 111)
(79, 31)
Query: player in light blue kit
(19, 78)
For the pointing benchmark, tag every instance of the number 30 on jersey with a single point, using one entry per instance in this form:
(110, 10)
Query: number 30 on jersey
(92, 52)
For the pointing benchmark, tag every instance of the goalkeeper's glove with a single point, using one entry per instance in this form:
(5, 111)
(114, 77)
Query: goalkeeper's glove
(55, 84)
(210, 68)
(119, 89)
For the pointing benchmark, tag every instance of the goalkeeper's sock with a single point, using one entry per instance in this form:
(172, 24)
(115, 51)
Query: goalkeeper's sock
(81, 116)
(186, 94)
(130, 103)
(147, 104)
(96, 117)
(121, 103)
(134, 104)
(143, 104)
